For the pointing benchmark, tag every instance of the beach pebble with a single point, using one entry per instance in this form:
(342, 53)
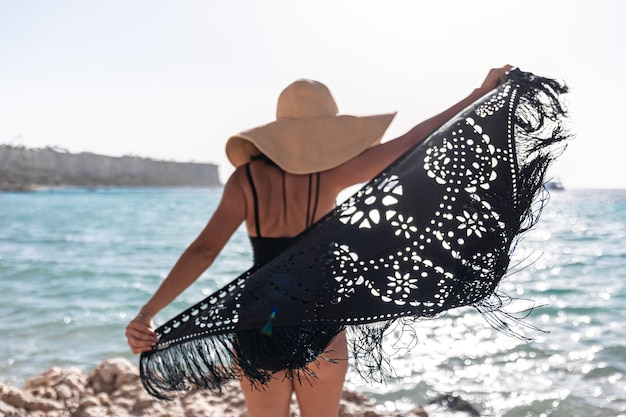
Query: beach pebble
(10, 411)
(26, 401)
(112, 374)
(65, 385)
(113, 389)
(88, 402)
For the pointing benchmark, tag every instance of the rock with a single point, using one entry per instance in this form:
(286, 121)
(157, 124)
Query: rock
(64, 392)
(229, 403)
(24, 400)
(112, 374)
(453, 403)
(113, 389)
(96, 411)
(88, 402)
(7, 410)
(58, 384)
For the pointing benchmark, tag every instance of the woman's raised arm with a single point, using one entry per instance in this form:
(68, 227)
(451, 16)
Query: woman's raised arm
(368, 164)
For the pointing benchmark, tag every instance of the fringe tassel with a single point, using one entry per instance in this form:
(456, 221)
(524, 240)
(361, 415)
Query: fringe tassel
(540, 135)
(202, 363)
(209, 362)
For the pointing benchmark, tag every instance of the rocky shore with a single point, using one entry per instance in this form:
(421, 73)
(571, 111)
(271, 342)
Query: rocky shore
(23, 169)
(113, 389)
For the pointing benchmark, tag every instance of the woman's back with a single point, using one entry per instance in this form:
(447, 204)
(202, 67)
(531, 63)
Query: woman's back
(280, 204)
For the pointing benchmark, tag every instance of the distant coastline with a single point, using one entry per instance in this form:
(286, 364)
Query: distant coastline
(25, 169)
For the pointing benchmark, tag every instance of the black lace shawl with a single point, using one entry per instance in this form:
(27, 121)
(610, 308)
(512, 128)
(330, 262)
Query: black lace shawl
(434, 231)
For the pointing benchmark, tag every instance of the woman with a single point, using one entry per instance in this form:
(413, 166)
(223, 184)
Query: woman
(288, 175)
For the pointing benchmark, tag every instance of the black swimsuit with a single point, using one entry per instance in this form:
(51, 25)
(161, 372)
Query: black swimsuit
(265, 248)
(266, 350)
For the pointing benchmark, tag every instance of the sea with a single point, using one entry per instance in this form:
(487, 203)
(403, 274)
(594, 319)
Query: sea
(77, 264)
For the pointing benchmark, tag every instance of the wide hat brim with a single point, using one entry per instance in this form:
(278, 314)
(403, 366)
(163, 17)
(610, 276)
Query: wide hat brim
(306, 145)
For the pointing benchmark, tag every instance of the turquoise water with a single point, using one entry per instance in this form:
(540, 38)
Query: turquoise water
(75, 265)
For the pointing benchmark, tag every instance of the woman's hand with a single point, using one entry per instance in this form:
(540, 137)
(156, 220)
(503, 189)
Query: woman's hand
(140, 334)
(495, 77)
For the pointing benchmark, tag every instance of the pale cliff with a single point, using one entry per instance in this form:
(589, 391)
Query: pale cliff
(23, 169)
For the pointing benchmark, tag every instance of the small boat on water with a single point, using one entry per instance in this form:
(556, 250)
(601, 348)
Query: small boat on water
(554, 184)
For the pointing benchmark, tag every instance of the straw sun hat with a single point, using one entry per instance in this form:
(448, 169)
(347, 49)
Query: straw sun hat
(308, 135)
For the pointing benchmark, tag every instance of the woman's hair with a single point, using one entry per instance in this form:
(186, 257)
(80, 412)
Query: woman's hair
(264, 158)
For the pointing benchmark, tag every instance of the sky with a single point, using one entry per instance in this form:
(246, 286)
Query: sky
(174, 79)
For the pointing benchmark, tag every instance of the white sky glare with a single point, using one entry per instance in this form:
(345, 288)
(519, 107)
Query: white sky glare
(174, 79)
